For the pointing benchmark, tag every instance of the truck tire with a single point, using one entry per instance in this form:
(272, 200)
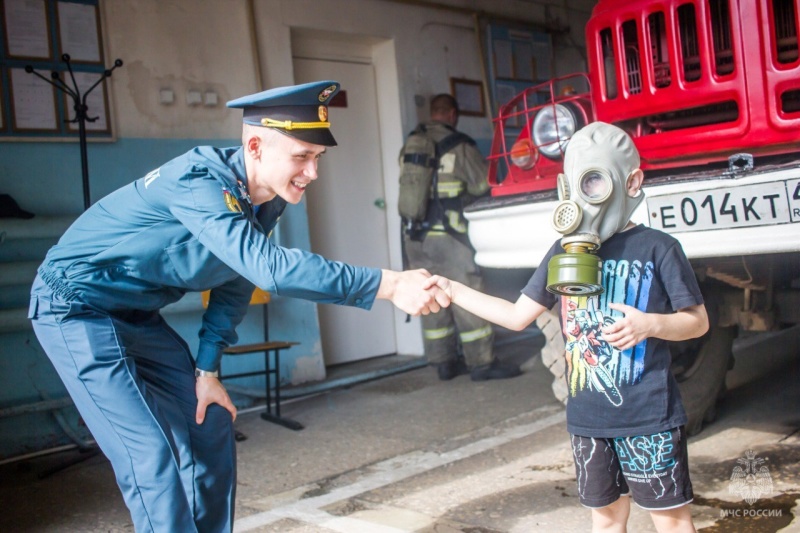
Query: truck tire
(702, 382)
(553, 352)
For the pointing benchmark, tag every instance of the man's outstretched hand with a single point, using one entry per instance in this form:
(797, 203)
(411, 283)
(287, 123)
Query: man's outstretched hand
(407, 290)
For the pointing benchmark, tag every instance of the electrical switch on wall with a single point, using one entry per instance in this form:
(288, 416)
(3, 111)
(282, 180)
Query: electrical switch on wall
(166, 97)
(194, 97)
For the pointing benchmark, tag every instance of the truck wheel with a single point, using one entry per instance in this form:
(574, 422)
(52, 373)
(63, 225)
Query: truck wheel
(702, 381)
(553, 352)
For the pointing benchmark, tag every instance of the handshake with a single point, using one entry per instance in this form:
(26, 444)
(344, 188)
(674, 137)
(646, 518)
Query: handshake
(416, 292)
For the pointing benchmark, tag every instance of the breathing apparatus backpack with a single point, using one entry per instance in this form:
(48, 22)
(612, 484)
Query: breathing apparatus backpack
(419, 172)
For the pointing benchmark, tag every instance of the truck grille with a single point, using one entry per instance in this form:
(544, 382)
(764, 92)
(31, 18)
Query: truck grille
(691, 63)
(678, 65)
(694, 116)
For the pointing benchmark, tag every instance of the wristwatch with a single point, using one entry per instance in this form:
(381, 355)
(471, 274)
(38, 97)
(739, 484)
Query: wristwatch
(205, 373)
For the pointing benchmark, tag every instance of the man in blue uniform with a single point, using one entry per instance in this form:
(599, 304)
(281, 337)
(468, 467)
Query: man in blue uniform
(198, 222)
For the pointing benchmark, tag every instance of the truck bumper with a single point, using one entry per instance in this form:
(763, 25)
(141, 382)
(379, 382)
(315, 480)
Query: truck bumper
(517, 235)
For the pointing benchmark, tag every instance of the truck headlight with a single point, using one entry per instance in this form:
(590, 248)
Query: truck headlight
(552, 129)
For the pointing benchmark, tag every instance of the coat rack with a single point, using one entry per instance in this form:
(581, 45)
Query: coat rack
(81, 111)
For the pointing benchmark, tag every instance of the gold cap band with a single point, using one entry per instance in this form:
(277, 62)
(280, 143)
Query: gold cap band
(289, 125)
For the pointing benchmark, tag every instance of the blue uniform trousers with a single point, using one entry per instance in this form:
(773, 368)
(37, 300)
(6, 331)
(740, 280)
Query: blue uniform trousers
(132, 378)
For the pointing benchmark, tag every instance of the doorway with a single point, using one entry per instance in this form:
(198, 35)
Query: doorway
(347, 208)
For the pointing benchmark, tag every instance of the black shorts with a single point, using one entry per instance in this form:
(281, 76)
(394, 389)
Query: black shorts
(654, 469)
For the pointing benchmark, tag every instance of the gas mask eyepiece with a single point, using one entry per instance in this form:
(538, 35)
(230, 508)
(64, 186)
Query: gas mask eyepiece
(595, 186)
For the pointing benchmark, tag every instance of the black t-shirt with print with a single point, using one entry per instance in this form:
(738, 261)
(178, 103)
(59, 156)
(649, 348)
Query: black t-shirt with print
(615, 393)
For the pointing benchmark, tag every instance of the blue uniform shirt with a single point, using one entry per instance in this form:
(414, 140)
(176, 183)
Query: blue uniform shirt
(189, 226)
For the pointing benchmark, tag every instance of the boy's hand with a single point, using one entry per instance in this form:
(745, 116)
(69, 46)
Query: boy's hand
(629, 330)
(443, 283)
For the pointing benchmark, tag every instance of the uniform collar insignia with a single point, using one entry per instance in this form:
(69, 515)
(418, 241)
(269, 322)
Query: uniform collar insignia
(243, 192)
(231, 202)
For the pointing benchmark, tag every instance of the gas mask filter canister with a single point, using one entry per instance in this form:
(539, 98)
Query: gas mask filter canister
(594, 205)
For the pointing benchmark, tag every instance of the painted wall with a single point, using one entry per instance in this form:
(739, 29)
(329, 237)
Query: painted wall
(230, 48)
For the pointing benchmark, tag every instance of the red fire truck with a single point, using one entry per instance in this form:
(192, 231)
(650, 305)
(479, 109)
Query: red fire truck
(710, 92)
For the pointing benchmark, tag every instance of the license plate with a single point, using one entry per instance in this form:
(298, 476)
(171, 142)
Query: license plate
(761, 204)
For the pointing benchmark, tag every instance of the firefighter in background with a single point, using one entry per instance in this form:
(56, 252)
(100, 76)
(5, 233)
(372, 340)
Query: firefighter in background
(441, 171)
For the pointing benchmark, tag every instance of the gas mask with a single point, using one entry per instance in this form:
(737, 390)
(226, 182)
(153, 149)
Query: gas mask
(594, 205)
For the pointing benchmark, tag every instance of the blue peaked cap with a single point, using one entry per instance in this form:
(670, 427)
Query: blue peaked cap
(299, 111)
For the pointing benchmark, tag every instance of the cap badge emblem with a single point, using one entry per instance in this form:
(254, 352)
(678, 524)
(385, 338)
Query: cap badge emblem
(323, 113)
(326, 93)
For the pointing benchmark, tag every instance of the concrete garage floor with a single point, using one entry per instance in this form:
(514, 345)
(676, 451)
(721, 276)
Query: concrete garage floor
(408, 453)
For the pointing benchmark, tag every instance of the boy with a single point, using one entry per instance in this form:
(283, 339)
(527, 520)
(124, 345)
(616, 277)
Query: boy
(624, 413)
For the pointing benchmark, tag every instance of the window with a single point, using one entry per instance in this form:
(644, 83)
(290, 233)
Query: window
(36, 36)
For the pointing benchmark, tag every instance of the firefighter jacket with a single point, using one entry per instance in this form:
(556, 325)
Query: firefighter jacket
(461, 175)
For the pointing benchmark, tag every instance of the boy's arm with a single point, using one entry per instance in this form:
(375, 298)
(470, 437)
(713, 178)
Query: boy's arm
(635, 326)
(514, 316)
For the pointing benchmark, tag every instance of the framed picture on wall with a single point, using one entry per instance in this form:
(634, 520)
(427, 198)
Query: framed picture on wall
(469, 94)
(26, 29)
(79, 32)
(34, 103)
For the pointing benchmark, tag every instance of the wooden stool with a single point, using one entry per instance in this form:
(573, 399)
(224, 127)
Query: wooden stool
(272, 366)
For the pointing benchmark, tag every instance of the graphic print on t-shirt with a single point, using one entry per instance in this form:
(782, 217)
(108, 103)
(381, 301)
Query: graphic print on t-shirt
(592, 363)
